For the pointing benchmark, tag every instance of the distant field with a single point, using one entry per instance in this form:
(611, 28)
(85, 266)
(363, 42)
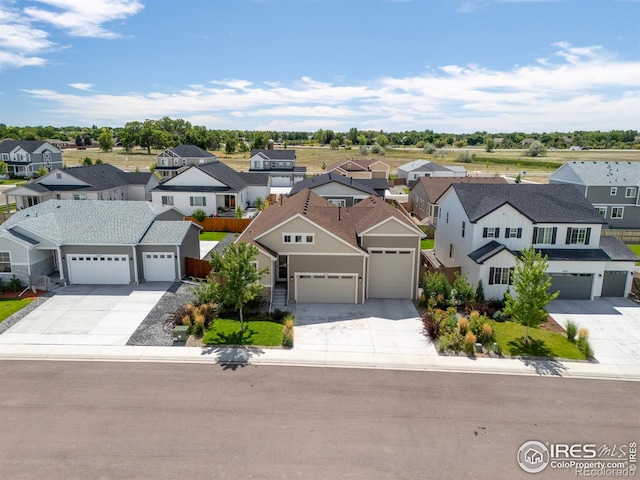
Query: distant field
(500, 161)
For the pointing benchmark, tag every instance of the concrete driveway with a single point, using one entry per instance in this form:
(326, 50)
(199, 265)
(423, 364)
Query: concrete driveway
(378, 327)
(87, 315)
(613, 323)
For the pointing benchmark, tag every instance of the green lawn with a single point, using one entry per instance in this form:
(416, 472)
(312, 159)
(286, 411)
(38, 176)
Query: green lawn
(227, 332)
(12, 181)
(212, 236)
(636, 250)
(542, 343)
(426, 243)
(9, 306)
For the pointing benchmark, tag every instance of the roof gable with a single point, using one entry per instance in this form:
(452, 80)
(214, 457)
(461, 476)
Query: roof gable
(434, 187)
(318, 181)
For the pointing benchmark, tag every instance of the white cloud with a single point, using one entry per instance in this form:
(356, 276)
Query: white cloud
(575, 87)
(82, 86)
(23, 40)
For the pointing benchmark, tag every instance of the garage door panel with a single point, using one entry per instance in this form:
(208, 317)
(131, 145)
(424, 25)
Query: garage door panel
(614, 283)
(326, 288)
(572, 286)
(159, 266)
(97, 269)
(390, 274)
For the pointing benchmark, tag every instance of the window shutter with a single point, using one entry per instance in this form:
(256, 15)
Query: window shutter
(519, 233)
(535, 234)
(497, 233)
(553, 235)
(491, 269)
(587, 236)
(484, 232)
(568, 239)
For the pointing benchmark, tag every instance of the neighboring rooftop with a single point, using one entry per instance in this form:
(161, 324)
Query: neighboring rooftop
(539, 202)
(29, 146)
(599, 173)
(190, 151)
(423, 166)
(275, 154)
(216, 169)
(436, 186)
(326, 178)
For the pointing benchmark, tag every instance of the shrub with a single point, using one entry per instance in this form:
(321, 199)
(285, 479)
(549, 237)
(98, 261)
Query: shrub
(287, 332)
(363, 150)
(583, 334)
(461, 291)
(238, 212)
(199, 214)
(186, 320)
(436, 286)
(479, 292)
(585, 347)
(499, 316)
(279, 316)
(466, 157)
(463, 326)
(428, 148)
(486, 334)
(572, 330)
(470, 343)
(431, 323)
(377, 149)
(452, 341)
(197, 327)
(14, 284)
(536, 149)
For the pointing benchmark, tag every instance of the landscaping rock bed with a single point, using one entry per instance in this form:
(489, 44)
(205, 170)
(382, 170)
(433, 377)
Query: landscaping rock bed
(154, 330)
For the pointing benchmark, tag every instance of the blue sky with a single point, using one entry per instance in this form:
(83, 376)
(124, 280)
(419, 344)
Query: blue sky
(449, 66)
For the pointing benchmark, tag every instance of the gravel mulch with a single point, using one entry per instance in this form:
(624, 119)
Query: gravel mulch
(20, 314)
(153, 330)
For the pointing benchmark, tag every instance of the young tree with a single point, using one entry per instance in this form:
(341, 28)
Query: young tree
(489, 144)
(4, 168)
(536, 149)
(105, 141)
(240, 278)
(79, 142)
(42, 171)
(531, 284)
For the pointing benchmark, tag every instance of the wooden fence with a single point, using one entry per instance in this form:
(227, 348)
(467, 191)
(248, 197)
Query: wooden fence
(221, 224)
(194, 267)
(427, 264)
(627, 236)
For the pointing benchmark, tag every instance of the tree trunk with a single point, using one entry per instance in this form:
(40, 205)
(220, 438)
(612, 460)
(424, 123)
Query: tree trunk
(526, 335)
(241, 322)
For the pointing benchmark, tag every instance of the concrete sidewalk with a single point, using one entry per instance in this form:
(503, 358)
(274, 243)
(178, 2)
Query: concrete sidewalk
(230, 357)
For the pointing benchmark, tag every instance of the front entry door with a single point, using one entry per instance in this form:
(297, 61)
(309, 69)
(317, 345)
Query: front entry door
(283, 268)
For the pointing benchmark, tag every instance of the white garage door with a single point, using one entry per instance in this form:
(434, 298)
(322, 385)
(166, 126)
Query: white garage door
(98, 269)
(326, 288)
(159, 266)
(390, 274)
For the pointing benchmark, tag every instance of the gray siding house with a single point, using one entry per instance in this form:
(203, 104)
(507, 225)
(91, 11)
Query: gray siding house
(25, 157)
(96, 242)
(613, 188)
(173, 160)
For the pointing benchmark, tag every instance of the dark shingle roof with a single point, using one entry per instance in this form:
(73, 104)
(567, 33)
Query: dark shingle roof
(97, 177)
(436, 186)
(28, 145)
(581, 254)
(487, 251)
(616, 249)
(326, 178)
(255, 178)
(223, 173)
(539, 203)
(190, 151)
(275, 154)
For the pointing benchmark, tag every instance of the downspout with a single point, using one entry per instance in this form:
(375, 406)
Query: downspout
(179, 259)
(135, 264)
(60, 266)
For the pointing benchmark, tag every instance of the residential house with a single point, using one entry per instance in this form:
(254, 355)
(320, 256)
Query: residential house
(87, 182)
(172, 160)
(612, 187)
(96, 242)
(426, 168)
(213, 187)
(320, 252)
(281, 167)
(482, 228)
(340, 190)
(25, 157)
(425, 192)
(360, 169)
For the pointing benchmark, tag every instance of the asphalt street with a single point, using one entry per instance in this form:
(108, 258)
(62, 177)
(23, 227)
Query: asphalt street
(68, 420)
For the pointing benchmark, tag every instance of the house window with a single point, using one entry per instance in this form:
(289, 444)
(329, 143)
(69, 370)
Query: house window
(617, 212)
(338, 202)
(602, 211)
(47, 158)
(500, 276)
(544, 235)
(614, 190)
(288, 164)
(490, 232)
(79, 196)
(578, 236)
(163, 162)
(281, 164)
(167, 200)
(30, 201)
(176, 162)
(5, 262)
(298, 238)
(184, 161)
(513, 233)
(58, 176)
(198, 201)
(5, 157)
(463, 227)
(630, 192)
(256, 164)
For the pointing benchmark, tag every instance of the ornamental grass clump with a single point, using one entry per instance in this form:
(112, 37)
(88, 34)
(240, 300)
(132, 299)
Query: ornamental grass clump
(463, 326)
(470, 343)
(572, 330)
(583, 342)
(287, 331)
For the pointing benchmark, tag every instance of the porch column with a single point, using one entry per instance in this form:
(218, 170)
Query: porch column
(135, 264)
(60, 264)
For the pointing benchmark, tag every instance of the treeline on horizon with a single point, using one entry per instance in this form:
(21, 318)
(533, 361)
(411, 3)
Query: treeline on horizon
(167, 132)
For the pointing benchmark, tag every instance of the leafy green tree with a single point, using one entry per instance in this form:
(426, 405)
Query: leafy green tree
(531, 284)
(130, 135)
(334, 144)
(536, 149)
(79, 142)
(237, 269)
(42, 171)
(87, 161)
(429, 148)
(260, 140)
(98, 162)
(4, 168)
(459, 143)
(105, 141)
(230, 144)
(489, 144)
(87, 140)
(382, 140)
